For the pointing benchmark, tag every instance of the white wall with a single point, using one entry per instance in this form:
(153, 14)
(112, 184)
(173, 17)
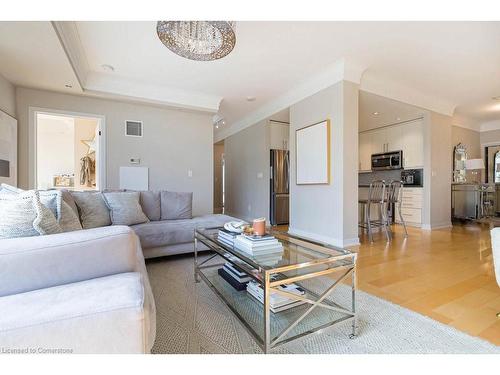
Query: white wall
(328, 213)
(174, 142)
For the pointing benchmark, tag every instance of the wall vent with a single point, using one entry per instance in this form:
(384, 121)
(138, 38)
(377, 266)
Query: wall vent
(133, 128)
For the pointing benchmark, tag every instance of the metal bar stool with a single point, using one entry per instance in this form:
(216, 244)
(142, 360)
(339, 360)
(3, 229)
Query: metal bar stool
(376, 197)
(395, 196)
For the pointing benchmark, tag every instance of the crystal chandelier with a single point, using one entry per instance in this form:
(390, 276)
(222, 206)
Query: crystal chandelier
(198, 40)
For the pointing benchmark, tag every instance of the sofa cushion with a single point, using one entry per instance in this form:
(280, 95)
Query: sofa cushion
(124, 208)
(70, 201)
(151, 204)
(92, 208)
(169, 232)
(176, 206)
(23, 215)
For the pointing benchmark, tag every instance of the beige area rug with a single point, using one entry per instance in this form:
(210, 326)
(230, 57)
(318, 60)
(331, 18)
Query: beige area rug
(192, 319)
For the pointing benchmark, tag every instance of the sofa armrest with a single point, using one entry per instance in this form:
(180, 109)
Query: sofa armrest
(32, 263)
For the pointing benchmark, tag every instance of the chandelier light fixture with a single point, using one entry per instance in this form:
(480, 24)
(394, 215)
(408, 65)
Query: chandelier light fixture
(198, 40)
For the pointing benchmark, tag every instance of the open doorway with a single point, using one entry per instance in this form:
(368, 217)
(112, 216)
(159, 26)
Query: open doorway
(69, 151)
(219, 178)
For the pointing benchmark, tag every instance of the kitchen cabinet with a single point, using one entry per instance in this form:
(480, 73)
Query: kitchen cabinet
(408, 137)
(278, 135)
(411, 207)
(365, 152)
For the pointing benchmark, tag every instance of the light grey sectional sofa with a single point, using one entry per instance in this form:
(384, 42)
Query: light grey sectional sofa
(87, 291)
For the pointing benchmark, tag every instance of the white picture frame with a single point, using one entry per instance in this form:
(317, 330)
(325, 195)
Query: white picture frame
(313, 154)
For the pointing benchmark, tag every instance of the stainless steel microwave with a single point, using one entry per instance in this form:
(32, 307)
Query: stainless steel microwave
(387, 160)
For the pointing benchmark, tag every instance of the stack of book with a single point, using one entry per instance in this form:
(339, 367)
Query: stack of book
(277, 302)
(226, 237)
(262, 248)
(234, 276)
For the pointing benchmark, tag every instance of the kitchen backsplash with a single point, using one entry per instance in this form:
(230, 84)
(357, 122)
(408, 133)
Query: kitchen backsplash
(367, 178)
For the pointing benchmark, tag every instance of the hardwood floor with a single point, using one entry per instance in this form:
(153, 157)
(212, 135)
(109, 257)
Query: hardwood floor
(445, 274)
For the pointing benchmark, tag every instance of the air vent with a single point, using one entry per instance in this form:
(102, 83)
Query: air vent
(133, 128)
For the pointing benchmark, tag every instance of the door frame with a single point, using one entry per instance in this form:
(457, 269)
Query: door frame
(32, 137)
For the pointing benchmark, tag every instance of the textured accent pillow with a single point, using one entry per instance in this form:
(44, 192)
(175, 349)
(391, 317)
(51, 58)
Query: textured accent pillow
(69, 220)
(23, 215)
(92, 208)
(9, 189)
(176, 206)
(151, 204)
(68, 198)
(124, 208)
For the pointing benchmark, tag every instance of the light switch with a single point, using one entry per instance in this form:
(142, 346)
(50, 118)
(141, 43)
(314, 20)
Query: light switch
(190, 173)
(135, 160)
(260, 175)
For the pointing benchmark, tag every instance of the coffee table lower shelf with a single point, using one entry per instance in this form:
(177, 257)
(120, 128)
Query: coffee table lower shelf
(271, 330)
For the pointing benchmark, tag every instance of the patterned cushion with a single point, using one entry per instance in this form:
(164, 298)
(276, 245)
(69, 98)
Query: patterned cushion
(92, 208)
(176, 206)
(125, 208)
(23, 215)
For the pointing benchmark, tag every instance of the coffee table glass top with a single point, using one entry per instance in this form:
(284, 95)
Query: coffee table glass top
(296, 251)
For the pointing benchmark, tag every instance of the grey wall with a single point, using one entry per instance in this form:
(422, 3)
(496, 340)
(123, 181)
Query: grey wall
(437, 171)
(7, 97)
(174, 141)
(246, 156)
(328, 213)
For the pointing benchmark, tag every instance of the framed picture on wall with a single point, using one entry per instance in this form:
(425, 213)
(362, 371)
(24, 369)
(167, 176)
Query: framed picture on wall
(313, 154)
(8, 149)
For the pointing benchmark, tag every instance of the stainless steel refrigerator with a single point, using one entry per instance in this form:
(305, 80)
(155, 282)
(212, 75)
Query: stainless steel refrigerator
(280, 182)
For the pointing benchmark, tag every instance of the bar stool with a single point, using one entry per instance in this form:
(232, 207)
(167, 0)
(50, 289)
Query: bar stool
(395, 197)
(376, 197)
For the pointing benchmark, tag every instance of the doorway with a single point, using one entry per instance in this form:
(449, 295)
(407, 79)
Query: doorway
(69, 151)
(219, 178)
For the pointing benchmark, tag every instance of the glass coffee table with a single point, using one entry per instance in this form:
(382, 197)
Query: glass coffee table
(321, 272)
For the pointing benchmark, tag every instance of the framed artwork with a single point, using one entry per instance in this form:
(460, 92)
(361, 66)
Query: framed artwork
(313, 154)
(8, 149)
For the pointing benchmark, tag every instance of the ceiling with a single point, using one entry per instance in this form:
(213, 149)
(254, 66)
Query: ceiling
(376, 111)
(452, 62)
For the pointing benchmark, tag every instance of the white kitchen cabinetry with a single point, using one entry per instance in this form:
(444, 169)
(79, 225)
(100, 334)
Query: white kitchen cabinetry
(411, 207)
(278, 135)
(365, 152)
(408, 137)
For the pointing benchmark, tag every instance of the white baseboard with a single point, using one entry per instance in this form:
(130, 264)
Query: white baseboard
(437, 226)
(324, 239)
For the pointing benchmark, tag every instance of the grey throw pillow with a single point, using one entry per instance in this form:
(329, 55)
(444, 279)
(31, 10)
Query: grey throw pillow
(151, 204)
(92, 208)
(23, 215)
(176, 206)
(124, 208)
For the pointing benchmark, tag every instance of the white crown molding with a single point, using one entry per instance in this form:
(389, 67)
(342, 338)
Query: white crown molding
(113, 86)
(341, 70)
(393, 90)
(490, 125)
(466, 122)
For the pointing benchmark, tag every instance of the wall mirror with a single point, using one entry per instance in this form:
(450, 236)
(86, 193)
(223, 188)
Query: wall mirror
(459, 158)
